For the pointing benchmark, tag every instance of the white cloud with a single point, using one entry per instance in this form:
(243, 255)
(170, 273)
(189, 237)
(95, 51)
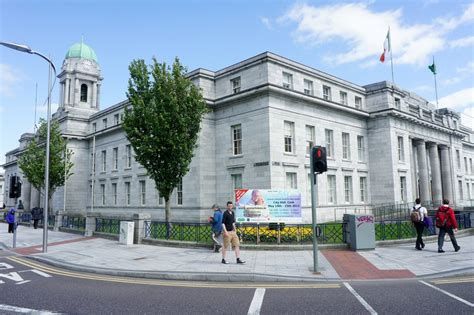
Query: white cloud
(266, 21)
(467, 117)
(458, 100)
(462, 74)
(364, 30)
(8, 79)
(462, 42)
(424, 88)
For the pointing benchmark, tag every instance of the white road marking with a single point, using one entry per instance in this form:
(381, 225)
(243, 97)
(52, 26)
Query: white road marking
(5, 266)
(257, 301)
(43, 274)
(23, 282)
(448, 294)
(361, 300)
(16, 309)
(14, 276)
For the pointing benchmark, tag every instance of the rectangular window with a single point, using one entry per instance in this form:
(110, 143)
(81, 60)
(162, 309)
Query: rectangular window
(160, 199)
(102, 194)
(236, 182)
(403, 188)
(348, 189)
(461, 197)
(470, 163)
(327, 93)
(116, 119)
(127, 193)
(104, 123)
(142, 192)
(329, 143)
(358, 102)
(346, 146)
(397, 103)
(361, 148)
(343, 96)
(235, 83)
(465, 164)
(363, 189)
(237, 139)
(401, 149)
(287, 80)
(332, 189)
(458, 159)
(309, 139)
(291, 181)
(114, 193)
(179, 193)
(468, 192)
(289, 136)
(115, 157)
(104, 160)
(94, 127)
(128, 153)
(308, 87)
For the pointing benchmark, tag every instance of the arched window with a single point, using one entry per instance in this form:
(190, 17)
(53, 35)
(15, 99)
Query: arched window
(84, 93)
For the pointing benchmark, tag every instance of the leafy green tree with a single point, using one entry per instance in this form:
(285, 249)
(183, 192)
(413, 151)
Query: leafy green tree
(33, 161)
(163, 122)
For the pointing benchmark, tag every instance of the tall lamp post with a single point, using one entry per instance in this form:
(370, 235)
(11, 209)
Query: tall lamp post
(27, 49)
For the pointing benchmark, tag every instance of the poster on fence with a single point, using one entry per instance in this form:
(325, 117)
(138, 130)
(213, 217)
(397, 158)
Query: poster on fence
(261, 205)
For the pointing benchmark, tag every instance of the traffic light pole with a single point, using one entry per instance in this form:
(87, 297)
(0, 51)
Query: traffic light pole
(314, 202)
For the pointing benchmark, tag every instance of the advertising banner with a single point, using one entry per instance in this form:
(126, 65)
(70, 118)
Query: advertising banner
(261, 205)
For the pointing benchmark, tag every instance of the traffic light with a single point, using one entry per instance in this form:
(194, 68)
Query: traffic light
(318, 155)
(15, 187)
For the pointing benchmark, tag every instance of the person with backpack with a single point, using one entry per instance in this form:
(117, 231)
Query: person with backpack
(417, 216)
(446, 221)
(216, 228)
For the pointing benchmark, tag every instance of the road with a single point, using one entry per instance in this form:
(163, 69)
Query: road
(28, 286)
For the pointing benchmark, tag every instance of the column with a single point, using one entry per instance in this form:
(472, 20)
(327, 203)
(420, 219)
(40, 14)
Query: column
(77, 92)
(98, 97)
(66, 92)
(422, 171)
(35, 198)
(61, 94)
(94, 95)
(436, 191)
(446, 173)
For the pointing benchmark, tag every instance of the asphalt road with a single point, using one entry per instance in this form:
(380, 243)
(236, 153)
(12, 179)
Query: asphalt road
(27, 286)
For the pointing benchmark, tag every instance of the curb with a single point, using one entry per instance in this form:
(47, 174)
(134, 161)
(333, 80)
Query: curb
(229, 277)
(182, 275)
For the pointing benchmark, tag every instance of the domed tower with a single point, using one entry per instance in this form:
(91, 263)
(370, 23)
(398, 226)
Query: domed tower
(80, 80)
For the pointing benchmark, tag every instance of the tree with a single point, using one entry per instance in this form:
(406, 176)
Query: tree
(33, 161)
(163, 122)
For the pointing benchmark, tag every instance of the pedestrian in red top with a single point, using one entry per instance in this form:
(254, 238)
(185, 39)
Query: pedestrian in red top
(446, 221)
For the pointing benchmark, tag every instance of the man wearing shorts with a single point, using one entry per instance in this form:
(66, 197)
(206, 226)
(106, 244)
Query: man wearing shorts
(230, 234)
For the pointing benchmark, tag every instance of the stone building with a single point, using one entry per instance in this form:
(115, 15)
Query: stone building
(384, 144)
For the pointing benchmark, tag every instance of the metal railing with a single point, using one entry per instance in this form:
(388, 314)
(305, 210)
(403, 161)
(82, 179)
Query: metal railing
(109, 226)
(74, 222)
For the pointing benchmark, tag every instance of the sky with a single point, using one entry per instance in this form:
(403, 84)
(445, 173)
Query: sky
(342, 38)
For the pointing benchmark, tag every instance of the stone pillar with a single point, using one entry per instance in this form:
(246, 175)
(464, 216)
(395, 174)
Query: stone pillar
(446, 176)
(90, 224)
(93, 95)
(26, 194)
(422, 171)
(67, 92)
(58, 220)
(34, 198)
(139, 219)
(436, 191)
(98, 97)
(77, 92)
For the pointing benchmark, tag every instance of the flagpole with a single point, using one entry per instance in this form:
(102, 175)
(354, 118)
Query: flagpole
(391, 60)
(436, 85)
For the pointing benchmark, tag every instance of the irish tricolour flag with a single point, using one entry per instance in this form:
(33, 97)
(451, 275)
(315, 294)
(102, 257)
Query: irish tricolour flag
(386, 47)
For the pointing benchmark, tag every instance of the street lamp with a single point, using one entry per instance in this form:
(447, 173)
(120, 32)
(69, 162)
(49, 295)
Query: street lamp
(27, 49)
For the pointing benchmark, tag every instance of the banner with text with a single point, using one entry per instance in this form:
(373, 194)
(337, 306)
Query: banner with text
(261, 205)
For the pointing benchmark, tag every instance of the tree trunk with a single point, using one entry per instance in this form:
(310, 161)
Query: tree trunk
(168, 217)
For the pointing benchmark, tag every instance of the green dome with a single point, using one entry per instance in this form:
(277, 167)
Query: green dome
(81, 50)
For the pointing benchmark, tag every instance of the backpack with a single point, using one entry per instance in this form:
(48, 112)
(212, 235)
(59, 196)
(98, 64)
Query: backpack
(441, 218)
(415, 215)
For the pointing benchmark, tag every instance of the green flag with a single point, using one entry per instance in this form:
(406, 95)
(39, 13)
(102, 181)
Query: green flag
(433, 67)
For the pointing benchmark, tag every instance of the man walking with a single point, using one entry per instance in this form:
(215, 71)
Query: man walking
(418, 214)
(230, 233)
(216, 228)
(446, 221)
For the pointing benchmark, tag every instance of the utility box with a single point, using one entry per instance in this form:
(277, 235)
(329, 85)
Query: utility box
(126, 232)
(359, 231)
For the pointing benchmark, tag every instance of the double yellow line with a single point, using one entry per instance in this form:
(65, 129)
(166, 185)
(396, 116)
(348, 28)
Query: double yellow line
(454, 280)
(171, 283)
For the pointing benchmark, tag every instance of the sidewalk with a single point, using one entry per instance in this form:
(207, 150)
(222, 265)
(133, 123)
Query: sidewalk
(98, 255)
